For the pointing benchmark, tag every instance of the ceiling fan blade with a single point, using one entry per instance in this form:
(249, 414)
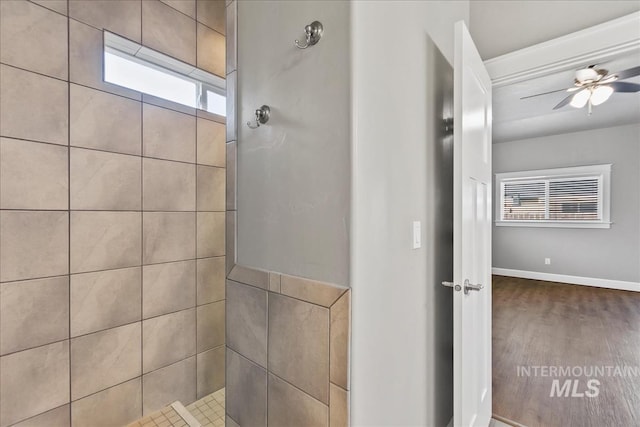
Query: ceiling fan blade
(545, 93)
(564, 102)
(628, 73)
(625, 87)
(610, 78)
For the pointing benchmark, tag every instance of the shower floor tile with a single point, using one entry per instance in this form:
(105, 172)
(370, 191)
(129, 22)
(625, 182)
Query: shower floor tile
(209, 411)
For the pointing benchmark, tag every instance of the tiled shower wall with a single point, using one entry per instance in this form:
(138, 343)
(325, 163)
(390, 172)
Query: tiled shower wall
(287, 351)
(112, 222)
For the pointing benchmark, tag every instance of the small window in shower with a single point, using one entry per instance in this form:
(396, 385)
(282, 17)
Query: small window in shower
(136, 67)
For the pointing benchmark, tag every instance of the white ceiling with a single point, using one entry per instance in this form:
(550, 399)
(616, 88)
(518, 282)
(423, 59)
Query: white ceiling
(499, 26)
(515, 118)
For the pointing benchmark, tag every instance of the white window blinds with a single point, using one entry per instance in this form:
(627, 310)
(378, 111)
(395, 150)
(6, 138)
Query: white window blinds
(554, 196)
(574, 199)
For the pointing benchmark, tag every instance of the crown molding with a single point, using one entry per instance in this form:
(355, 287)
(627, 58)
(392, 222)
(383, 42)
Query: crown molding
(599, 43)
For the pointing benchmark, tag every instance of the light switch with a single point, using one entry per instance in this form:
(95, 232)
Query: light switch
(417, 241)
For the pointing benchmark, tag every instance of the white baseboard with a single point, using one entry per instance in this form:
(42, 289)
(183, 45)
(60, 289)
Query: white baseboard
(574, 280)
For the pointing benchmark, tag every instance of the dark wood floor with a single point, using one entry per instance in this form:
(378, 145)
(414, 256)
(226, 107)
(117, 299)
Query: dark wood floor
(538, 323)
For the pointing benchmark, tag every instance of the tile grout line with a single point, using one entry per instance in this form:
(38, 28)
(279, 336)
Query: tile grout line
(118, 211)
(142, 245)
(111, 269)
(267, 353)
(69, 204)
(195, 240)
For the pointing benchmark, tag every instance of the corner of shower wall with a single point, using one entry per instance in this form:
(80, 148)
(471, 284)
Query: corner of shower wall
(288, 344)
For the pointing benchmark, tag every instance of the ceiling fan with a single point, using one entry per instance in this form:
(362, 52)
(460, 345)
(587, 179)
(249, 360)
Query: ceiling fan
(593, 86)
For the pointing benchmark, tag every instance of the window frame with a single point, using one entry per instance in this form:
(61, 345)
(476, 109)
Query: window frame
(602, 172)
(144, 56)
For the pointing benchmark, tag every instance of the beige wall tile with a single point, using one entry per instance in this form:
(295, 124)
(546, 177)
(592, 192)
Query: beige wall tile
(274, 282)
(168, 287)
(26, 113)
(33, 175)
(210, 280)
(168, 236)
(339, 408)
(232, 120)
(230, 423)
(33, 313)
(246, 391)
(104, 359)
(211, 51)
(168, 186)
(180, 42)
(168, 339)
(211, 143)
(188, 7)
(210, 325)
(299, 355)
(230, 241)
(33, 244)
(211, 189)
(166, 385)
(250, 276)
(121, 17)
(247, 321)
(168, 134)
(105, 181)
(232, 195)
(320, 293)
(116, 406)
(170, 105)
(104, 299)
(212, 14)
(340, 330)
(203, 114)
(86, 60)
(232, 36)
(33, 381)
(210, 375)
(211, 234)
(33, 38)
(105, 122)
(58, 417)
(59, 6)
(104, 240)
(288, 406)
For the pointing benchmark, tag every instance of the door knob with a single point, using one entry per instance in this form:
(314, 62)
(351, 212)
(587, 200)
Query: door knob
(470, 287)
(467, 286)
(452, 285)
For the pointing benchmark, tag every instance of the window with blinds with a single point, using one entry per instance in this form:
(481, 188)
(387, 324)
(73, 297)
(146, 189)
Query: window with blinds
(567, 197)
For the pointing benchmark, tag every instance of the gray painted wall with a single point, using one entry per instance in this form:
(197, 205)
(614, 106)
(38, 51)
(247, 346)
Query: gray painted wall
(294, 172)
(597, 253)
(400, 318)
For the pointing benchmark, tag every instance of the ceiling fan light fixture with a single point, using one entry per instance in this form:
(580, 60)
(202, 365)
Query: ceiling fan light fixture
(586, 74)
(580, 99)
(601, 94)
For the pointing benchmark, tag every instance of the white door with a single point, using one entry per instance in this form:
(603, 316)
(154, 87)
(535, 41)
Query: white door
(472, 235)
